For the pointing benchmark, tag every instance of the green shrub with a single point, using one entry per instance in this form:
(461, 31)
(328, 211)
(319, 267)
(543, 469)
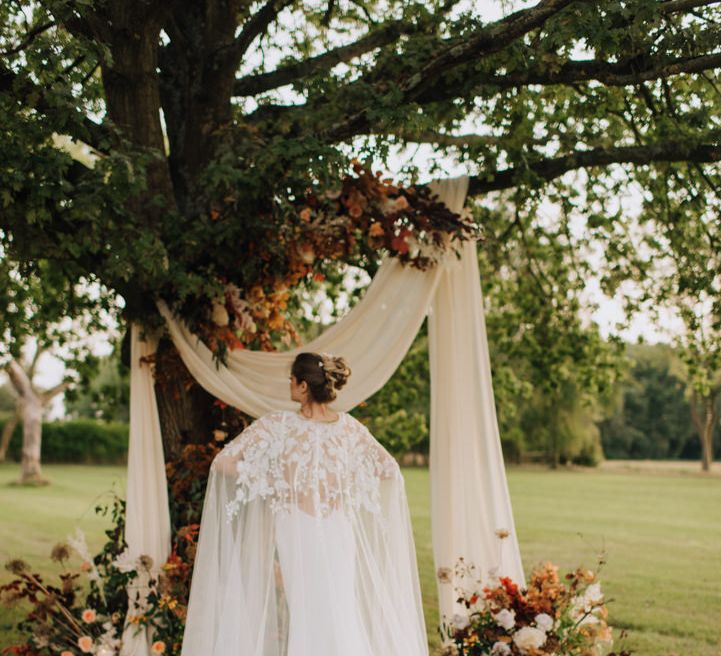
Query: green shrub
(84, 441)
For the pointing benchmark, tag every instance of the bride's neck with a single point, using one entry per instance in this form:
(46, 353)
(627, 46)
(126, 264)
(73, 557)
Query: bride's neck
(316, 410)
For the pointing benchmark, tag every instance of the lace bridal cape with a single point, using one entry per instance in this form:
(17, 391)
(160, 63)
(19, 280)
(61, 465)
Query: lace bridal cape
(305, 547)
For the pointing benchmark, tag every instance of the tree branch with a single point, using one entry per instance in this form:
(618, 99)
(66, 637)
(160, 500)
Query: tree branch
(671, 6)
(19, 379)
(609, 73)
(485, 41)
(29, 38)
(623, 73)
(88, 131)
(257, 25)
(254, 84)
(47, 395)
(441, 139)
(548, 169)
(34, 362)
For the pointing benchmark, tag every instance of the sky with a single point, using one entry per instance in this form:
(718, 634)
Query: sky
(609, 313)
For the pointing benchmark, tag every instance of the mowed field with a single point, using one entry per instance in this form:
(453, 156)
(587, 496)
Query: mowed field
(658, 523)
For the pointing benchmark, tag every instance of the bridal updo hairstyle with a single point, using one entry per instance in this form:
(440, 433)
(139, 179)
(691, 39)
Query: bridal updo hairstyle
(325, 374)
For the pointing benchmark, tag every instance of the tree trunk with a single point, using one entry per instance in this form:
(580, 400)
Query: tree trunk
(30, 469)
(707, 434)
(704, 425)
(32, 415)
(184, 407)
(8, 430)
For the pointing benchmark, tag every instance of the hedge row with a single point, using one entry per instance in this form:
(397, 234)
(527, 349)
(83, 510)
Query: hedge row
(77, 441)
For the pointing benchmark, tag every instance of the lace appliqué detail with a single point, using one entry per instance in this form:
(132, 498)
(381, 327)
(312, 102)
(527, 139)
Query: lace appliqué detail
(317, 467)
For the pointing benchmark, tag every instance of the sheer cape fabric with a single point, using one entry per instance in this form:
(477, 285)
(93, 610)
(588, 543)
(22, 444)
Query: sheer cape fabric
(305, 547)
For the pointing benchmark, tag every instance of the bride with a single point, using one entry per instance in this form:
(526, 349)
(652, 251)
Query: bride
(305, 545)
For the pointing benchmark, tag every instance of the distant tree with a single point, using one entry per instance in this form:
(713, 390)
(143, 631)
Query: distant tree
(652, 418)
(699, 349)
(46, 314)
(31, 405)
(105, 395)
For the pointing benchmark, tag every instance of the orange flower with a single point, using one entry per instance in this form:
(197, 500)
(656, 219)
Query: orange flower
(256, 294)
(85, 643)
(66, 653)
(401, 203)
(88, 615)
(376, 230)
(158, 647)
(399, 243)
(276, 320)
(305, 214)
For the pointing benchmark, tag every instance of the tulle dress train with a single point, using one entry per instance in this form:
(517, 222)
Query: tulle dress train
(305, 547)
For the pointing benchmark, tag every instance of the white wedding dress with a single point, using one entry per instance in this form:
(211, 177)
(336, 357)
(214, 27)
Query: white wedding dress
(305, 547)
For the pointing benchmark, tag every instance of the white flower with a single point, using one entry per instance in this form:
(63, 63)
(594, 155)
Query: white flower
(104, 650)
(505, 618)
(593, 595)
(124, 562)
(460, 621)
(500, 649)
(544, 621)
(493, 580)
(79, 543)
(528, 638)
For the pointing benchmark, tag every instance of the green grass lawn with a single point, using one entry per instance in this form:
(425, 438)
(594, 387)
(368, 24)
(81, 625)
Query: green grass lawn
(661, 532)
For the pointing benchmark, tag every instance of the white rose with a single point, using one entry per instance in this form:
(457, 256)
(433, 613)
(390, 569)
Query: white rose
(220, 314)
(544, 621)
(460, 621)
(505, 618)
(528, 638)
(593, 595)
(500, 649)
(124, 561)
(492, 580)
(578, 605)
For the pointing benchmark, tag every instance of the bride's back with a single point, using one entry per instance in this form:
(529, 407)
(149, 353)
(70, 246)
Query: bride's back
(313, 465)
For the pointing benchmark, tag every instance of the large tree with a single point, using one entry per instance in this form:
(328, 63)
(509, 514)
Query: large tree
(218, 138)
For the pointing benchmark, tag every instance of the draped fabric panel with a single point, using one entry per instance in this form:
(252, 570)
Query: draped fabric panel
(147, 516)
(470, 499)
(469, 493)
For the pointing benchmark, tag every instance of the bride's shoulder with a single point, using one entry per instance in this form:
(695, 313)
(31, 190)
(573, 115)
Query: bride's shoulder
(357, 424)
(274, 417)
(385, 465)
(260, 429)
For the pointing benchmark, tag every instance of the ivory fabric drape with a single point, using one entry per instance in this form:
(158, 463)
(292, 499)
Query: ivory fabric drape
(470, 499)
(147, 516)
(469, 492)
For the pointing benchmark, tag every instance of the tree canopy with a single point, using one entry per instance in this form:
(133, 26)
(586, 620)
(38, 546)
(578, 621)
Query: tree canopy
(221, 131)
